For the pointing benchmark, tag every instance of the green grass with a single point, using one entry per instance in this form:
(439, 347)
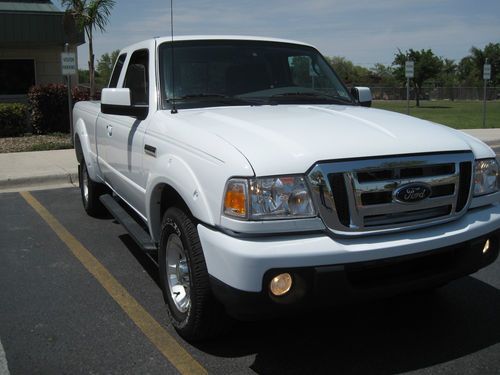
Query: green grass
(457, 114)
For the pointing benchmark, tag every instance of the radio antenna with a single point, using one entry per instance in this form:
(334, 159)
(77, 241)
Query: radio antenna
(174, 109)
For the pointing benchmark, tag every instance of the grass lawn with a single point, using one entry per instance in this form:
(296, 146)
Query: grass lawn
(457, 114)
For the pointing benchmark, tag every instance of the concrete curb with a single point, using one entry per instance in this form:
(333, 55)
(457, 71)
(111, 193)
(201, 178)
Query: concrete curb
(49, 180)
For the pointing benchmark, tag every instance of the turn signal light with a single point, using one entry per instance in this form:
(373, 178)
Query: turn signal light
(235, 201)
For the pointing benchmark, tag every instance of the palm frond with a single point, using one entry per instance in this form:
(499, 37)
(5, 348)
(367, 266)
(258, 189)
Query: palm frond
(99, 12)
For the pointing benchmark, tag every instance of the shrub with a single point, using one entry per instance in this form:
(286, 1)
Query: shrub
(80, 94)
(48, 107)
(13, 121)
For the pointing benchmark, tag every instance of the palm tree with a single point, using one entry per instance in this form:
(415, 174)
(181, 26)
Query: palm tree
(90, 15)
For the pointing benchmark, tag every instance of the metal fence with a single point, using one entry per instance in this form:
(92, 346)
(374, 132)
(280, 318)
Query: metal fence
(437, 93)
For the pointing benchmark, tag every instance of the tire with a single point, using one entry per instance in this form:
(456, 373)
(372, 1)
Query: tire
(193, 310)
(90, 192)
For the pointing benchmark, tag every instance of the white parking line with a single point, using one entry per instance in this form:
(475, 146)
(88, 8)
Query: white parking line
(4, 369)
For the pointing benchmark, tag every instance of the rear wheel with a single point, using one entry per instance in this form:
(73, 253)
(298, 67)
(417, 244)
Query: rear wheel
(184, 279)
(90, 192)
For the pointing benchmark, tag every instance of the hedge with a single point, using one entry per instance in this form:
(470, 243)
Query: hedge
(48, 105)
(13, 120)
(49, 109)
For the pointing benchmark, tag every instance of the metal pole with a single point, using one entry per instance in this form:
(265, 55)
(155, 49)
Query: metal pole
(70, 112)
(484, 105)
(408, 96)
(484, 97)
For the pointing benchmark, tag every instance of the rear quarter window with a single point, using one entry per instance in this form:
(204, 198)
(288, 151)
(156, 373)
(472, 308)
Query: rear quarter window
(113, 82)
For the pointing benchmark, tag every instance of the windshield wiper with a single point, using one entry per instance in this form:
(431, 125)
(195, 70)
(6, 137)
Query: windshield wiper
(298, 94)
(204, 96)
(220, 98)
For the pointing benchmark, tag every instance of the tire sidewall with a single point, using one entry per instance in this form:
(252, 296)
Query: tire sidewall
(173, 225)
(82, 170)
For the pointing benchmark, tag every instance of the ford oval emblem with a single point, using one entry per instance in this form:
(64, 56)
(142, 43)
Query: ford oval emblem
(412, 193)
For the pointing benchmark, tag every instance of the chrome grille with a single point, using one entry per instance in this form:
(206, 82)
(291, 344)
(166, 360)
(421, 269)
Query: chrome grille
(358, 196)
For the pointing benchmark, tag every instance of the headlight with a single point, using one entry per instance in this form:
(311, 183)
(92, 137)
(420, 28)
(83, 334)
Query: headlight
(268, 198)
(485, 177)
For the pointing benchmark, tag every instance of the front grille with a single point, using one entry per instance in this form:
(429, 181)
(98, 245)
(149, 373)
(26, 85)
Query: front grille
(361, 196)
(406, 216)
(406, 172)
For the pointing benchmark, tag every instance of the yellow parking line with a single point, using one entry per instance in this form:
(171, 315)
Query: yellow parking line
(165, 343)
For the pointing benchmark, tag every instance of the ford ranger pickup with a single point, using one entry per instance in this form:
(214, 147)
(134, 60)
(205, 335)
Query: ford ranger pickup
(261, 184)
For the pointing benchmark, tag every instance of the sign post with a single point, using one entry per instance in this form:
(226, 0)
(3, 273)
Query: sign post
(486, 77)
(409, 73)
(68, 67)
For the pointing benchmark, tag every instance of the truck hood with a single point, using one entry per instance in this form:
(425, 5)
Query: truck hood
(286, 139)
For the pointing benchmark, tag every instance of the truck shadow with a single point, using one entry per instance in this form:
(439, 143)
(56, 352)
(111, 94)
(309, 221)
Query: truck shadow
(149, 263)
(381, 337)
(392, 336)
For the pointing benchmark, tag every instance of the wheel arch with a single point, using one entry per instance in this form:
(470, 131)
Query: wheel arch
(162, 197)
(83, 149)
(173, 181)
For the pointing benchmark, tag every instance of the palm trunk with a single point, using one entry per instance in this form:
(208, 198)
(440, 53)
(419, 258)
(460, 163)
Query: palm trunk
(91, 65)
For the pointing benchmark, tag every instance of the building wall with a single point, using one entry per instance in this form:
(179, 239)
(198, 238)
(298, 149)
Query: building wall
(47, 63)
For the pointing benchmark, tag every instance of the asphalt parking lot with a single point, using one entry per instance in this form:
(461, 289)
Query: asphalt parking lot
(78, 296)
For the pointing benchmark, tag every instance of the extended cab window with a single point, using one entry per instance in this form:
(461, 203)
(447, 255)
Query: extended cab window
(137, 77)
(117, 70)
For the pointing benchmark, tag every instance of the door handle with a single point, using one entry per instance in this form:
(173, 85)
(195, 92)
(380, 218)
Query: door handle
(109, 128)
(150, 150)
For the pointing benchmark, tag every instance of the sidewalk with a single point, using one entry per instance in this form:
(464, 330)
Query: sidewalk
(489, 136)
(51, 169)
(38, 170)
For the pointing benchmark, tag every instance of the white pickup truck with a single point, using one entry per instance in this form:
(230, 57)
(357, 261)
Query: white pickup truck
(263, 185)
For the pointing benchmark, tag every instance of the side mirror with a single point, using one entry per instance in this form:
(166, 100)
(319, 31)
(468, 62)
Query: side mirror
(363, 95)
(117, 102)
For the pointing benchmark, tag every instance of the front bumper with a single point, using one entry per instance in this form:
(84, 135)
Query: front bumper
(338, 284)
(241, 263)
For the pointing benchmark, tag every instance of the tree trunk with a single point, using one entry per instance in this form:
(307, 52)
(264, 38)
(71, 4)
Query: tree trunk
(417, 95)
(91, 65)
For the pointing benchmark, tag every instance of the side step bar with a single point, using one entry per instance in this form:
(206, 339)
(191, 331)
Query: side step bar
(138, 234)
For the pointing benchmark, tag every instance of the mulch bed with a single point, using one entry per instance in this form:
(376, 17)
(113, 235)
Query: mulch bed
(30, 142)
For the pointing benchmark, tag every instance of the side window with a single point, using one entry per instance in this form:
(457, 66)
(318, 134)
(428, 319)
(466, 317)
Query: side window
(137, 77)
(116, 71)
(302, 71)
(311, 74)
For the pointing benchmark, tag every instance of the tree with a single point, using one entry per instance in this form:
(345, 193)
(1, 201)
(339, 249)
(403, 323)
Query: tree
(448, 76)
(83, 76)
(467, 72)
(384, 75)
(350, 73)
(105, 66)
(427, 66)
(90, 15)
(478, 57)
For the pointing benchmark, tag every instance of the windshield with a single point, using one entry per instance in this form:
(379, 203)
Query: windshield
(235, 72)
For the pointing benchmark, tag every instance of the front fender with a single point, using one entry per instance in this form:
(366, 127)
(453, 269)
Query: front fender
(173, 171)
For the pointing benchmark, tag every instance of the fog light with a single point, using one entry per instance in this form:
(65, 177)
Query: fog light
(486, 246)
(281, 284)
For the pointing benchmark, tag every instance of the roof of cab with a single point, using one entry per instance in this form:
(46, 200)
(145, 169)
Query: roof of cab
(220, 37)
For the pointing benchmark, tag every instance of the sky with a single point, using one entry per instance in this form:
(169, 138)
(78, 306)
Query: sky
(365, 32)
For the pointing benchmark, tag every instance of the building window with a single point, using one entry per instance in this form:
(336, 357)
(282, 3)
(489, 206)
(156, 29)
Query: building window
(16, 76)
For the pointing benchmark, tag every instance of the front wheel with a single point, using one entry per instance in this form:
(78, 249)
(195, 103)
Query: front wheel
(193, 310)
